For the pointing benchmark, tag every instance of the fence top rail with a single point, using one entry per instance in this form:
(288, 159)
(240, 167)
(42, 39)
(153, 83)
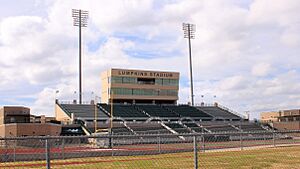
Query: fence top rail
(153, 135)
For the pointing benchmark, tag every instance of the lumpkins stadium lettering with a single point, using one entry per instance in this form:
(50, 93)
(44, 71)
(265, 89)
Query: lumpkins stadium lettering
(151, 74)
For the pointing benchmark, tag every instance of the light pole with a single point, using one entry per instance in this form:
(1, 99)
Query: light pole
(80, 18)
(56, 101)
(215, 99)
(96, 112)
(111, 110)
(111, 117)
(189, 33)
(56, 93)
(247, 115)
(74, 100)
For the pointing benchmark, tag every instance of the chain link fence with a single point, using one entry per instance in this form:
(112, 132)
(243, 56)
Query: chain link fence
(263, 149)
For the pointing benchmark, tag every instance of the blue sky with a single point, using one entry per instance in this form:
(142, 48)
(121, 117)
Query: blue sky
(246, 53)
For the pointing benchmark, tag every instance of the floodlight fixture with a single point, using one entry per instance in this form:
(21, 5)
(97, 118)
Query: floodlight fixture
(80, 17)
(189, 30)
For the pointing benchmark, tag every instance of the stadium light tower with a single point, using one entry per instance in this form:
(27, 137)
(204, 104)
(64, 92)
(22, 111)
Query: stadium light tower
(80, 19)
(189, 33)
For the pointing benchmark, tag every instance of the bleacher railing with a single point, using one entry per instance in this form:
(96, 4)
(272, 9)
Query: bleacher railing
(72, 102)
(232, 111)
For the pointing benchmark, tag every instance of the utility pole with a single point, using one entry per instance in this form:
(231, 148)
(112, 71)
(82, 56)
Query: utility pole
(80, 19)
(189, 33)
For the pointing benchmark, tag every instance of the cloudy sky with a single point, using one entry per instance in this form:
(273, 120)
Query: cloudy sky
(246, 53)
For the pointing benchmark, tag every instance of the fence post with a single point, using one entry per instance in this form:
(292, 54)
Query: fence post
(47, 154)
(195, 153)
(274, 142)
(158, 142)
(15, 151)
(5, 152)
(63, 148)
(111, 145)
(241, 141)
(203, 143)
(109, 139)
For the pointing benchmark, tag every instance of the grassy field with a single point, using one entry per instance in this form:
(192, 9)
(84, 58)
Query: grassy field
(277, 158)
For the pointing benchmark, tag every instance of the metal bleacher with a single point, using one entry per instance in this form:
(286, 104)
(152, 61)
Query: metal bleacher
(218, 112)
(193, 126)
(82, 110)
(122, 110)
(158, 111)
(148, 128)
(220, 128)
(154, 119)
(188, 111)
(121, 130)
(178, 127)
(250, 127)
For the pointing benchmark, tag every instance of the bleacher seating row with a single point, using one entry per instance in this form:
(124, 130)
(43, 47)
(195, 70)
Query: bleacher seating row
(148, 128)
(158, 128)
(175, 127)
(157, 111)
(188, 119)
(147, 111)
(82, 110)
(218, 112)
(188, 111)
(128, 111)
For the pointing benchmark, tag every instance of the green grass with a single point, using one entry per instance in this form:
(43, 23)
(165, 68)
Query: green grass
(281, 157)
(277, 158)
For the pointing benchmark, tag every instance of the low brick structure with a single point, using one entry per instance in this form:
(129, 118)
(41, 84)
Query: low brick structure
(16, 121)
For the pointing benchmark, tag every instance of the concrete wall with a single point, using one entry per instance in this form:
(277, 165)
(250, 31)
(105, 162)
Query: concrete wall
(2, 130)
(1, 116)
(104, 86)
(60, 115)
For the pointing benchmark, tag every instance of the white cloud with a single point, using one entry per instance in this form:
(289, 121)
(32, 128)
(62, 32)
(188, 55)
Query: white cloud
(124, 16)
(234, 83)
(44, 103)
(282, 12)
(261, 69)
(291, 36)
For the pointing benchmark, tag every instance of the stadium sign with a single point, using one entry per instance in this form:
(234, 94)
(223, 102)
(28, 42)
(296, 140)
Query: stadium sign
(144, 73)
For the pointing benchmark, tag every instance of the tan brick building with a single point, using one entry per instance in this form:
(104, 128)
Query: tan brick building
(266, 117)
(139, 86)
(283, 119)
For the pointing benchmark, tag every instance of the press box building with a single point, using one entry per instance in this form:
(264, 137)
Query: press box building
(139, 86)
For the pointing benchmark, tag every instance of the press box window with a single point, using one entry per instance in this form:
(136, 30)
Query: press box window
(146, 81)
(158, 81)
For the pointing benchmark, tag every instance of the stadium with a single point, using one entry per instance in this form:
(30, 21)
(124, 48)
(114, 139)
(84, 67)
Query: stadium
(139, 124)
(145, 102)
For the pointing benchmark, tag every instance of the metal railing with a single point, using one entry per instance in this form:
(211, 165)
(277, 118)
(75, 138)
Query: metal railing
(183, 150)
